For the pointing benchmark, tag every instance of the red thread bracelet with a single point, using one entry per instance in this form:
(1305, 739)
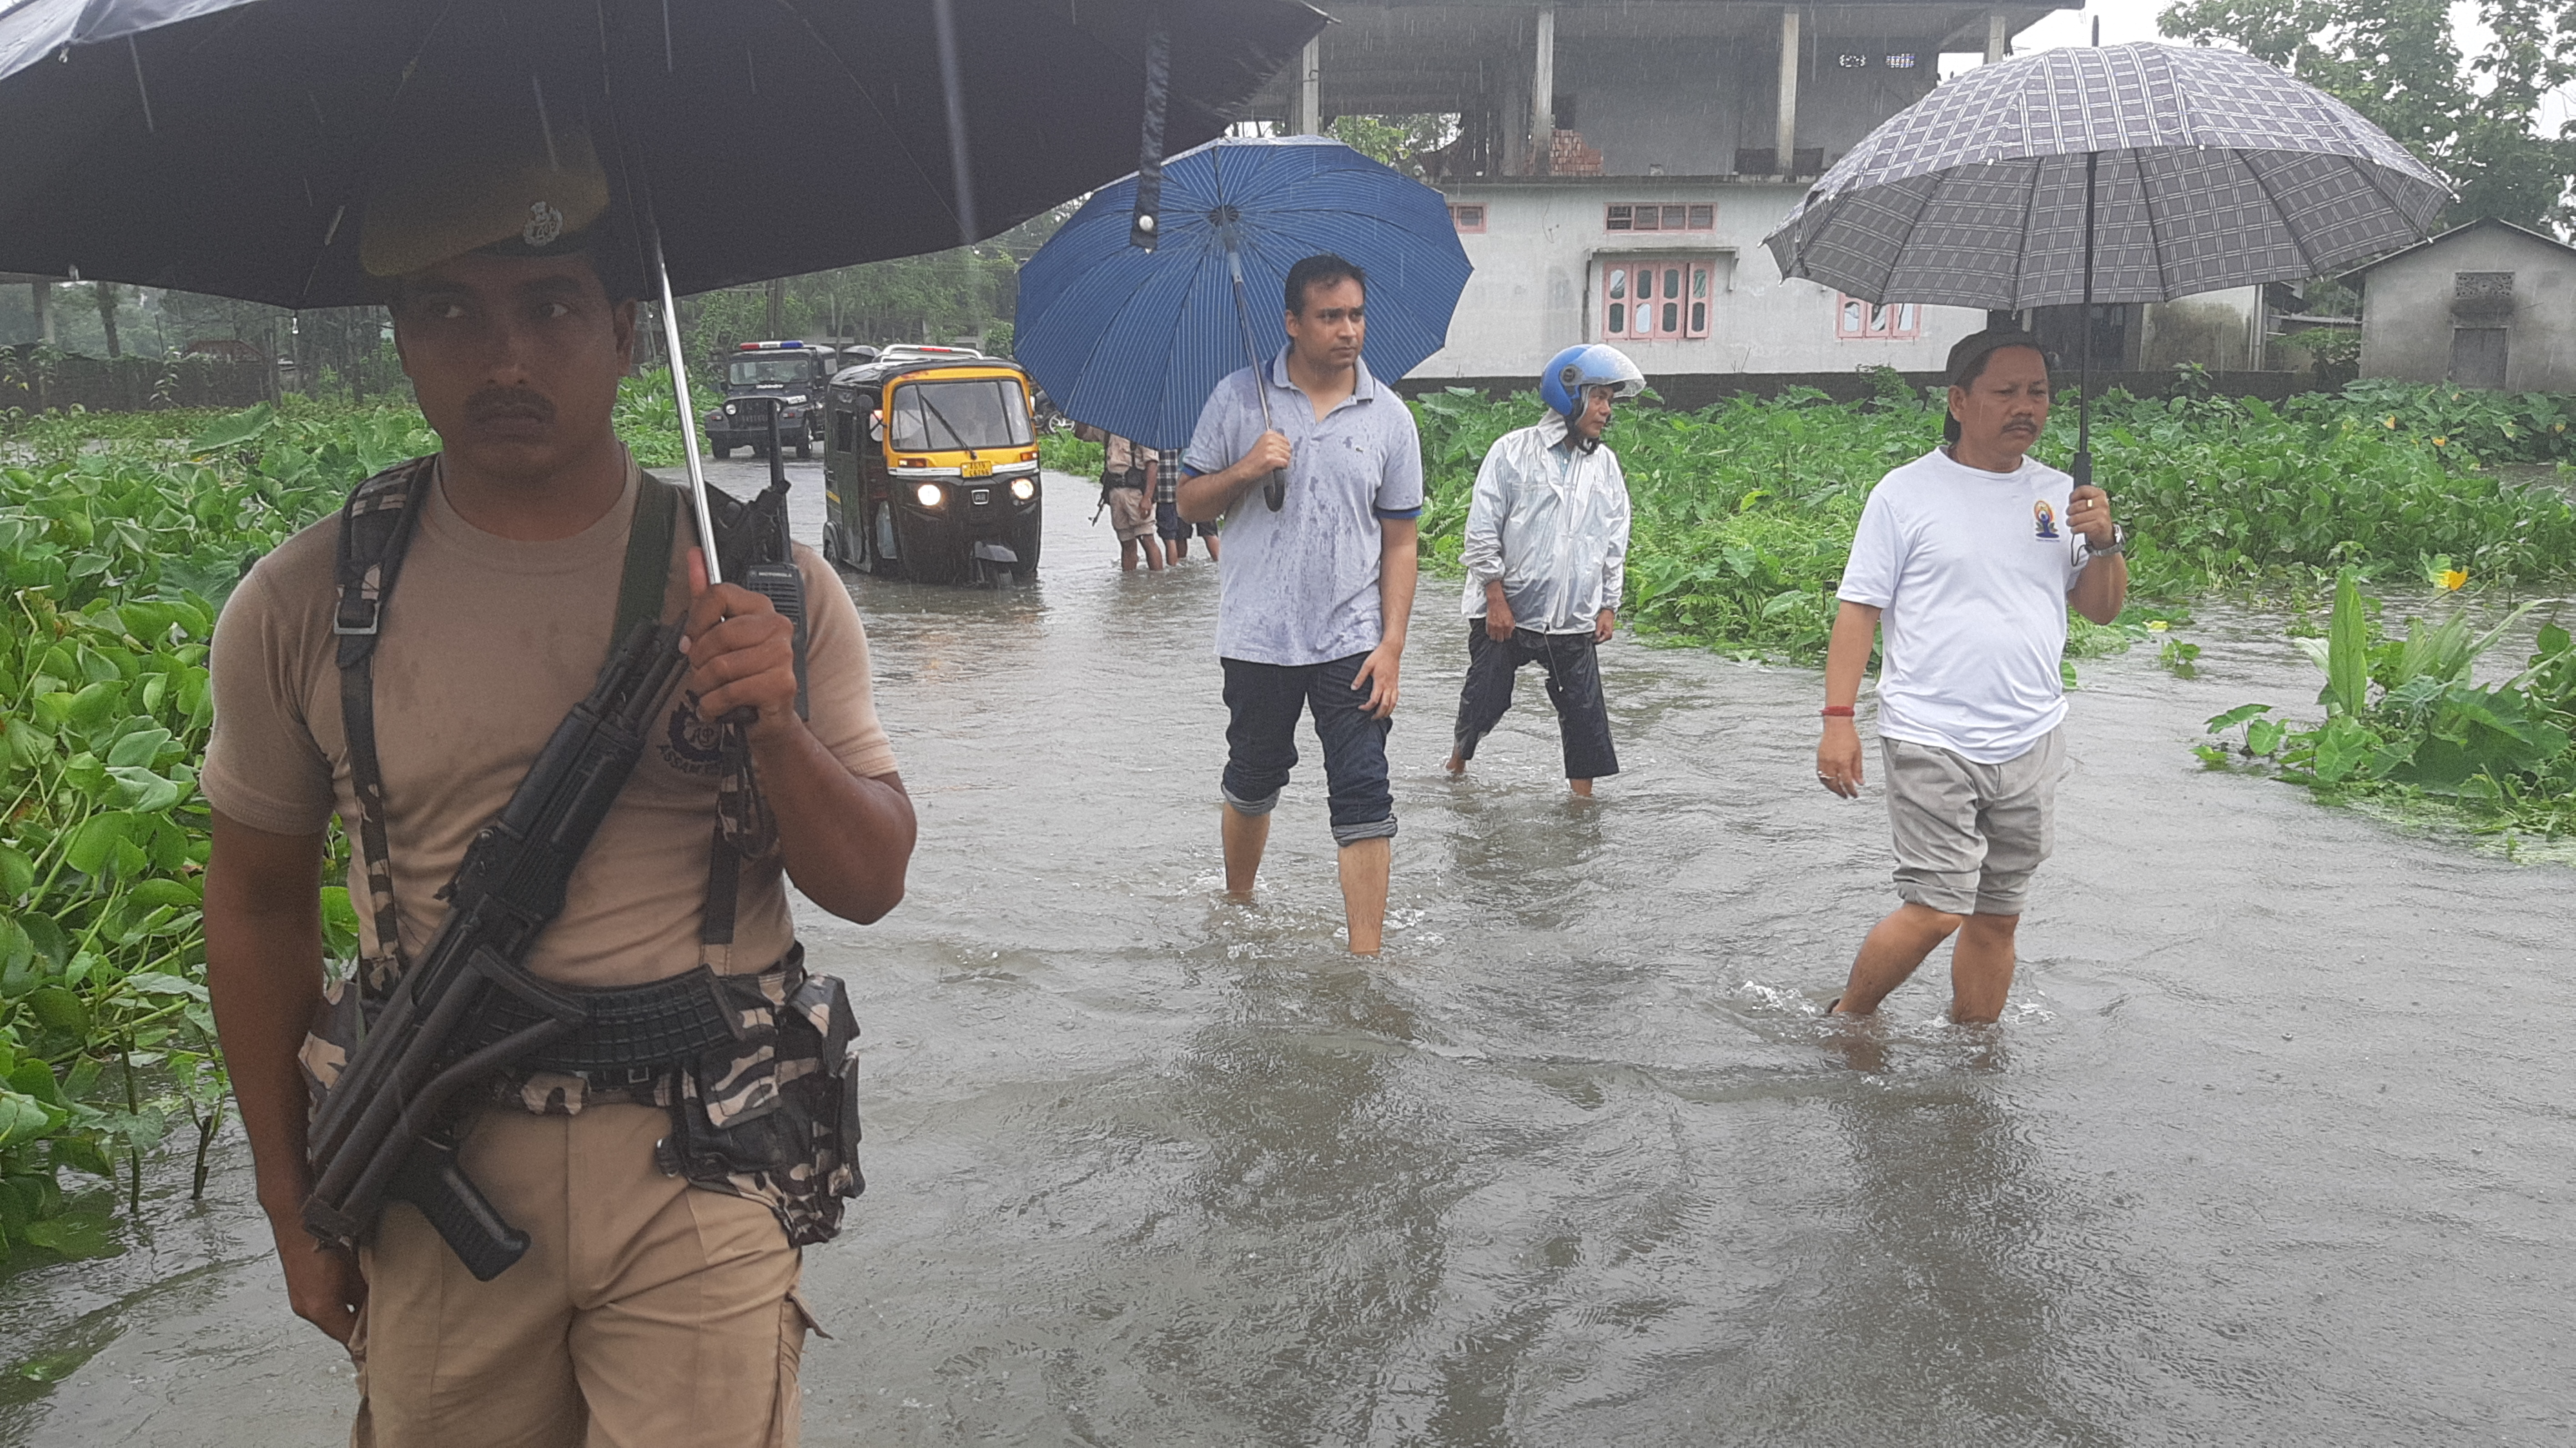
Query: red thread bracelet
(1836, 711)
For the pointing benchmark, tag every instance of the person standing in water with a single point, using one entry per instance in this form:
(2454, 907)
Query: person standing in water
(1127, 488)
(1546, 555)
(1167, 510)
(1311, 613)
(1967, 558)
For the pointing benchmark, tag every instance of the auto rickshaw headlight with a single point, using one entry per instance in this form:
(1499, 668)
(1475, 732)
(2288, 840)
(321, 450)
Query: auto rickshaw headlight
(1024, 488)
(929, 495)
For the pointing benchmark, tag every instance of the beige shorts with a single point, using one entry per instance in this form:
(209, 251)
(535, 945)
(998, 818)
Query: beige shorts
(1969, 835)
(646, 1310)
(1130, 514)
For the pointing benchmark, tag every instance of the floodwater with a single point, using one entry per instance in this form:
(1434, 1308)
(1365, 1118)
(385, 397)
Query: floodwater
(2272, 1146)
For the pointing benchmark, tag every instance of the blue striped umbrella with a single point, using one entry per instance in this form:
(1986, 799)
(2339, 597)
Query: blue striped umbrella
(1133, 341)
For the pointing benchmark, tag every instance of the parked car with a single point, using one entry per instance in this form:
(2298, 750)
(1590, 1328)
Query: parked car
(931, 469)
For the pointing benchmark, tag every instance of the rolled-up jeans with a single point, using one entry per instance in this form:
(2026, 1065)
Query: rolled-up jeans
(1263, 702)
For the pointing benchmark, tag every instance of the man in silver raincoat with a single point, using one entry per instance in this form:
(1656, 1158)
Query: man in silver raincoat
(1546, 556)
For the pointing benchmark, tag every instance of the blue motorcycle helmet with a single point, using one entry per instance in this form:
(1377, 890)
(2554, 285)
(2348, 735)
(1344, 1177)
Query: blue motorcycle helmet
(1588, 364)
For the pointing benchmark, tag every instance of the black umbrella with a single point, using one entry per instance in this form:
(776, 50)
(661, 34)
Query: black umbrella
(225, 146)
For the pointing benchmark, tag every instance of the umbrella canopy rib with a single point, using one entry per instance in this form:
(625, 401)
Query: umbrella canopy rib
(2255, 171)
(2155, 237)
(867, 97)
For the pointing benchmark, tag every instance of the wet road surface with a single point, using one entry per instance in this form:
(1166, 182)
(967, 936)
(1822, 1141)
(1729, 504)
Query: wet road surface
(2272, 1145)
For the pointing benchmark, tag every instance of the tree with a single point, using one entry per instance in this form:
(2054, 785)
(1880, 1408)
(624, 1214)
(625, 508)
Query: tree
(107, 300)
(964, 290)
(1400, 141)
(2398, 63)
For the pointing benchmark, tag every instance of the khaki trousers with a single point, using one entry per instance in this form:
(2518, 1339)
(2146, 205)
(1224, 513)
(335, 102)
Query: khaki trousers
(646, 1312)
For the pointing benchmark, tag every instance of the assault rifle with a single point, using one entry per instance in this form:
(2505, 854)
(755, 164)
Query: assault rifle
(376, 1136)
(470, 1007)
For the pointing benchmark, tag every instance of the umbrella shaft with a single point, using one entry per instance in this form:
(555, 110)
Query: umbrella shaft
(688, 416)
(2084, 346)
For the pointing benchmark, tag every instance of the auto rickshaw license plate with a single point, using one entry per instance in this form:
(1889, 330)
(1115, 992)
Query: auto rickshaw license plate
(976, 470)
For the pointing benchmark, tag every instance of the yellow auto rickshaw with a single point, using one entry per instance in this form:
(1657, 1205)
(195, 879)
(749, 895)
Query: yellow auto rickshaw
(930, 469)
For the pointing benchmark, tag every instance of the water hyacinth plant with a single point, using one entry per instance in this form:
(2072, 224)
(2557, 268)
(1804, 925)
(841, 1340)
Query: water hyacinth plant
(1744, 512)
(115, 560)
(2405, 722)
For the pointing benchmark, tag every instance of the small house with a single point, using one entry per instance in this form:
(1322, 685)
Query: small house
(2486, 304)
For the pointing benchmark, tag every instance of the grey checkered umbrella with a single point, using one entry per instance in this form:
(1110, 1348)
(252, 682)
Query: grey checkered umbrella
(2214, 170)
(2122, 173)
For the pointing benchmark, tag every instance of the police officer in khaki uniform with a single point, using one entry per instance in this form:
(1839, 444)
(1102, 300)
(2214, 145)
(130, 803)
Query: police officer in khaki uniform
(657, 1304)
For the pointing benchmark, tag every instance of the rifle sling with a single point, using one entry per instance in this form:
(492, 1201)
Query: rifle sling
(376, 531)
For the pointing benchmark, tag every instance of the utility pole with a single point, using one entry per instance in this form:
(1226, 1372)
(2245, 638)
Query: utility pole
(778, 309)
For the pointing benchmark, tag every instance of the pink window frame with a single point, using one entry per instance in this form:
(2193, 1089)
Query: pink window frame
(1859, 321)
(1684, 316)
(1695, 216)
(1477, 207)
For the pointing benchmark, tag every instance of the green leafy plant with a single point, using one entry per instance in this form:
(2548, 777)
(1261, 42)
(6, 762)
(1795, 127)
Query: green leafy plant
(2406, 722)
(1744, 511)
(114, 558)
(1062, 452)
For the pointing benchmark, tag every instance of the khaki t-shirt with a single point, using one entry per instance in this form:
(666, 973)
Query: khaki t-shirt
(487, 642)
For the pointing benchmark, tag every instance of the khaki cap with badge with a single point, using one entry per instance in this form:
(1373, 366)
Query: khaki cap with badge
(504, 185)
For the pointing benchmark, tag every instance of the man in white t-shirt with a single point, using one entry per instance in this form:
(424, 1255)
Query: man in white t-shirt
(1967, 558)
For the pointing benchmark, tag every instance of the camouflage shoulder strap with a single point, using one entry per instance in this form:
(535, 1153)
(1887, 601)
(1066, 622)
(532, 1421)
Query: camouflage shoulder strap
(376, 529)
(375, 532)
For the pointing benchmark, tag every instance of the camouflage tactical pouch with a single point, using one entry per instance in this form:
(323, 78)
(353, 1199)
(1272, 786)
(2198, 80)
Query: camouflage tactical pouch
(340, 1022)
(773, 1118)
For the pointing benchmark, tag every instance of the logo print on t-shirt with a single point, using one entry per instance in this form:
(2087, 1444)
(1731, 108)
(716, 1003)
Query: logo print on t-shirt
(2047, 517)
(694, 746)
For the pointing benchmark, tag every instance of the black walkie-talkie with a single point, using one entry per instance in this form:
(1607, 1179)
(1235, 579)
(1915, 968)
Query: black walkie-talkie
(774, 575)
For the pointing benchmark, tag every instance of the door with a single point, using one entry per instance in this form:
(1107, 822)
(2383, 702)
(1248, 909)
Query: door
(2478, 356)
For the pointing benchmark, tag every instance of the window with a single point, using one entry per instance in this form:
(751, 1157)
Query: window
(959, 415)
(2482, 298)
(1902, 60)
(1467, 217)
(1859, 321)
(1646, 216)
(1655, 299)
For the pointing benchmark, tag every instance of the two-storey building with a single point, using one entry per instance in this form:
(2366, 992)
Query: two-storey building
(1618, 162)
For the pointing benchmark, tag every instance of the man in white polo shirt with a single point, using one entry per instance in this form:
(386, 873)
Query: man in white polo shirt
(1968, 558)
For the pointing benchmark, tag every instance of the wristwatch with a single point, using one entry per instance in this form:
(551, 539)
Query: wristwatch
(2119, 541)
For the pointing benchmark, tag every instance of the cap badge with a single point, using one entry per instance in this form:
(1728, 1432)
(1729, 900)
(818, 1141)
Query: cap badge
(544, 225)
